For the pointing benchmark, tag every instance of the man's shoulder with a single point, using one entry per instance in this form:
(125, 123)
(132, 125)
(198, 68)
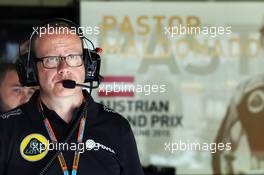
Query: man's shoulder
(15, 113)
(109, 113)
(12, 113)
(22, 110)
(10, 119)
(113, 119)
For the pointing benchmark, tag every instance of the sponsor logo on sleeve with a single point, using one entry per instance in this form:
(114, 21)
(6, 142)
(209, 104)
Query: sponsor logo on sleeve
(108, 109)
(92, 145)
(11, 113)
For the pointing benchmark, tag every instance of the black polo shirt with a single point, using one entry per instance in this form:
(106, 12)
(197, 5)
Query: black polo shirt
(109, 147)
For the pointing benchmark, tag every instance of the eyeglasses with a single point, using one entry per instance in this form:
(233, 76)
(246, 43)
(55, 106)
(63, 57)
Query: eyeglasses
(51, 62)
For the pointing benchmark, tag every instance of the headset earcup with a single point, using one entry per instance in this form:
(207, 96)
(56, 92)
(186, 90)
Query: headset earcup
(26, 71)
(87, 63)
(92, 65)
(21, 71)
(33, 74)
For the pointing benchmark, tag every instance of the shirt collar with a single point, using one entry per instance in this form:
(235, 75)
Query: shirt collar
(32, 107)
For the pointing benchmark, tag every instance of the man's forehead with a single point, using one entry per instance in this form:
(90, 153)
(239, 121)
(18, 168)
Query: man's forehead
(59, 38)
(49, 43)
(63, 40)
(57, 42)
(11, 77)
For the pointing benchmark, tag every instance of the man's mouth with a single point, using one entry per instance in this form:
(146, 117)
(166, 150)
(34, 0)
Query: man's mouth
(60, 81)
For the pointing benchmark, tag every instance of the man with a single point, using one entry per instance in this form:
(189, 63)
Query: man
(12, 94)
(48, 134)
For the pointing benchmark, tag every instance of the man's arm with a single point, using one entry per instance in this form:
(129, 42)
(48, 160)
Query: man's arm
(131, 164)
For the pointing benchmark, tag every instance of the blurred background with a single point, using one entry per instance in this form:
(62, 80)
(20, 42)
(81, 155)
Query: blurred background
(182, 83)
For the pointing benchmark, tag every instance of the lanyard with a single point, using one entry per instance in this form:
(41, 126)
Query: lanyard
(54, 139)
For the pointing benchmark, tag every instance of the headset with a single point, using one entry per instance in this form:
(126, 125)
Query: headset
(26, 64)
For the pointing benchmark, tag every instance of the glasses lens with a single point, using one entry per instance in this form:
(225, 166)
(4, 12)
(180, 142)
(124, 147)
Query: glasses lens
(74, 60)
(51, 62)
(54, 61)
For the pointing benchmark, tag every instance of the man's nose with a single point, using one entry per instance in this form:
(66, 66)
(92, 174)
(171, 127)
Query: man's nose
(63, 66)
(24, 96)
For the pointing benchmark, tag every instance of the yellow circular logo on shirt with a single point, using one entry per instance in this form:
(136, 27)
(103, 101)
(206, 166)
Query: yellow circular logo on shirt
(34, 147)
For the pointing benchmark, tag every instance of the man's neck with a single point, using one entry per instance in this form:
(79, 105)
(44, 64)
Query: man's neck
(63, 106)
